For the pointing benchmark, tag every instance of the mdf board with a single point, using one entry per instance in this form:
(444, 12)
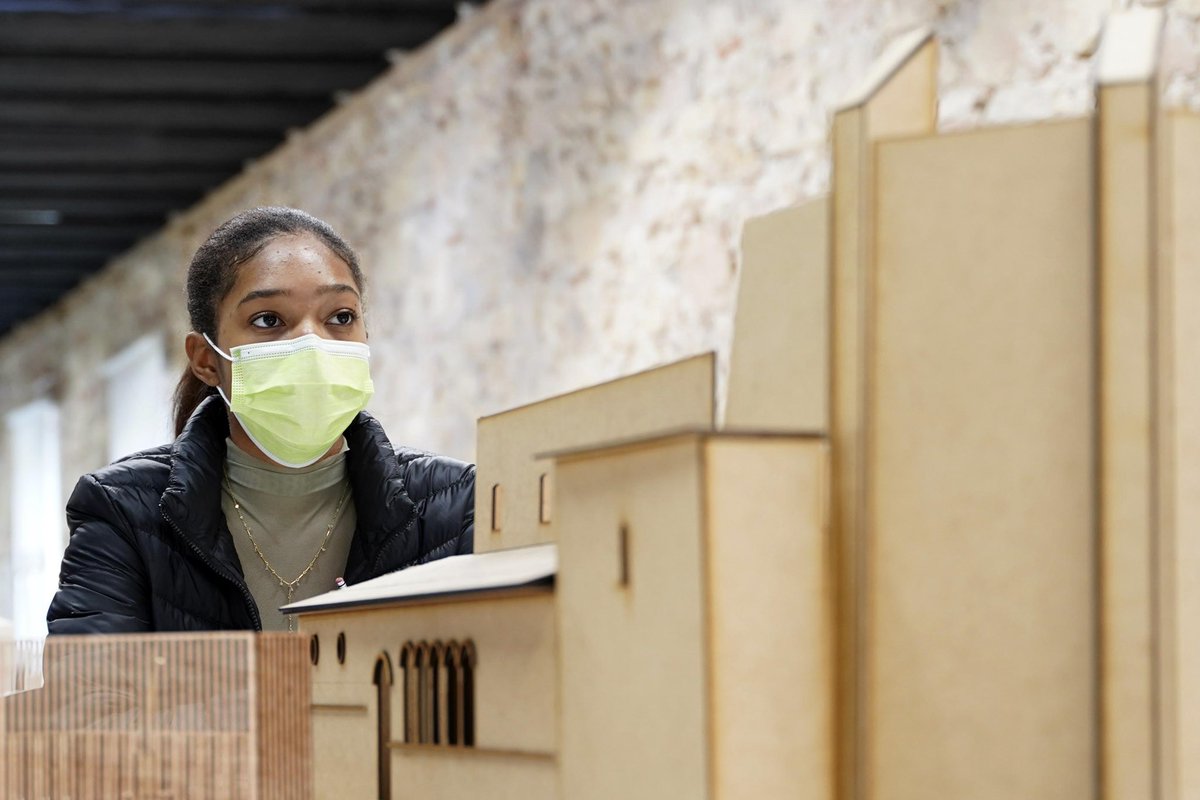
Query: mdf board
(514, 487)
(898, 98)
(779, 366)
(1131, 425)
(157, 715)
(1181, 473)
(283, 696)
(770, 643)
(454, 774)
(980, 513)
(344, 724)
(515, 643)
(631, 619)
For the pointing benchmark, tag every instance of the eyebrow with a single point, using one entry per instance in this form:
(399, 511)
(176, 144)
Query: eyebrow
(332, 288)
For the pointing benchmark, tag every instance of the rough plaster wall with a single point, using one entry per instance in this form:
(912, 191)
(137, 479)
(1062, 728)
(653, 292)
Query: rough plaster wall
(551, 194)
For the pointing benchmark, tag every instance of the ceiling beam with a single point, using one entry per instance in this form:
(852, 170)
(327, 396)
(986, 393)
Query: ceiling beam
(15, 304)
(75, 206)
(51, 275)
(51, 235)
(58, 253)
(406, 6)
(40, 75)
(224, 36)
(113, 113)
(65, 265)
(112, 181)
(59, 150)
(95, 112)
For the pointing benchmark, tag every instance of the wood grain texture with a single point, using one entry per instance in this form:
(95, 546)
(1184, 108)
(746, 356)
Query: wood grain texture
(163, 715)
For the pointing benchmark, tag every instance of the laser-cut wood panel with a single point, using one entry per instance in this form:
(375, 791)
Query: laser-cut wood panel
(980, 516)
(1129, 365)
(779, 366)
(447, 773)
(1180, 557)
(725, 537)
(770, 637)
(678, 395)
(344, 719)
(898, 98)
(154, 715)
(629, 648)
(515, 715)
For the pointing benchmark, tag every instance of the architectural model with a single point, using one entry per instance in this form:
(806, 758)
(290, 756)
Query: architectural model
(938, 548)
(220, 715)
(942, 546)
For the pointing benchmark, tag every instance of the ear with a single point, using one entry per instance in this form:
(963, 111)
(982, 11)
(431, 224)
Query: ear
(202, 360)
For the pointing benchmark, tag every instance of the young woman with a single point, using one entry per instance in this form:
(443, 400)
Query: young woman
(278, 483)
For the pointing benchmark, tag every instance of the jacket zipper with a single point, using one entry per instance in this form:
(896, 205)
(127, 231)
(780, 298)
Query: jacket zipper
(250, 604)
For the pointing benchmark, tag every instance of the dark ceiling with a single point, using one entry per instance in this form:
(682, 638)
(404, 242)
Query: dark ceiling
(115, 112)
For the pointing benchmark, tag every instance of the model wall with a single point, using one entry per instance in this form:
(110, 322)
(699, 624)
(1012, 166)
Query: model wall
(551, 194)
(514, 738)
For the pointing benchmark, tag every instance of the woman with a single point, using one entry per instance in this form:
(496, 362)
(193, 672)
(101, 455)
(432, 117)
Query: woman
(278, 485)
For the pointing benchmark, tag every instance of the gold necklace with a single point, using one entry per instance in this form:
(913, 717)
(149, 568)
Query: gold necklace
(289, 586)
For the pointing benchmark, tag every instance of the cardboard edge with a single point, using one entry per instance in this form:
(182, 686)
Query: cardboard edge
(709, 355)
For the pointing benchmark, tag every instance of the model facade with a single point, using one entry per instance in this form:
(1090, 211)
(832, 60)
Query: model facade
(941, 547)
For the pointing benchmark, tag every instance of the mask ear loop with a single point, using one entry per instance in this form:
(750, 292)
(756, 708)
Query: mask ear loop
(225, 356)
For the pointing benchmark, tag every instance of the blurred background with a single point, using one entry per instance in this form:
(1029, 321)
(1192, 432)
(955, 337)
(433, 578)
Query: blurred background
(544, 193)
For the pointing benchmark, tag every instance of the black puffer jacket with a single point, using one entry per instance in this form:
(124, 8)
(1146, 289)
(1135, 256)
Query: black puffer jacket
(150, 550)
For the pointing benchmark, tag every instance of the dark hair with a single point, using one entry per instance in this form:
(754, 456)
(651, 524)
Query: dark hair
(213, 272)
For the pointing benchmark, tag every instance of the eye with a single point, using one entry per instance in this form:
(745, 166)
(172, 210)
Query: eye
(266, 320)
(343, 317)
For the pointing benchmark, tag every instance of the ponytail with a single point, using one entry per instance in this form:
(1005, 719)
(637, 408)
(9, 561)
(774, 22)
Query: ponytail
(189, 393)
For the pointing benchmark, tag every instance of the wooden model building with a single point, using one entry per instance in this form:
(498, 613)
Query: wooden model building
(187, 717)
(940, 548)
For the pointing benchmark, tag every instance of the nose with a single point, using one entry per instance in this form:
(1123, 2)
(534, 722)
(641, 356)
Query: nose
(306, 326)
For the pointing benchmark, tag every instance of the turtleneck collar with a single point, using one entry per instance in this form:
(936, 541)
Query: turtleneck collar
(192, 500)
(245, 470)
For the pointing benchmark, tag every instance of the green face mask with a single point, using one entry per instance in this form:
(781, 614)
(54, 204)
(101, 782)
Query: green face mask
(296, 397)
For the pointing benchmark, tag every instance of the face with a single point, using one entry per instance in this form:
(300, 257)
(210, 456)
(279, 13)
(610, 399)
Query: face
(292, 287)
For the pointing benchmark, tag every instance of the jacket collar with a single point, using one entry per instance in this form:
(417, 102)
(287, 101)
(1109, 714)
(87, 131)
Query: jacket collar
(192, 499)
(381, 502)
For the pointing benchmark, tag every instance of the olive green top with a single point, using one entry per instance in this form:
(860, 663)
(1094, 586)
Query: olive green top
(288, 512)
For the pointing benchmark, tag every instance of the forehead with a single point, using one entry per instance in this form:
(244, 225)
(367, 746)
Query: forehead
(291, 262)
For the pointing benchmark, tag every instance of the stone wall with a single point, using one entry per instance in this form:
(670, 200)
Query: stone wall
(551, 194)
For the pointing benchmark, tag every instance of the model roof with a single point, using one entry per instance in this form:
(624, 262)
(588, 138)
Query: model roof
(478, 572)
